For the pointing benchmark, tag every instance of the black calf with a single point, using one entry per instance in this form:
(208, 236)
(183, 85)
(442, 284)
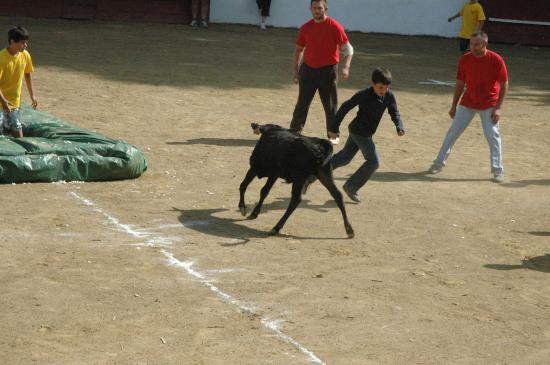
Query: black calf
(284, 153)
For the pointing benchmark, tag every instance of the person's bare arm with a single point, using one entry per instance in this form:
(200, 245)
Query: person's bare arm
(5, 103)
(298, 53)
(347, 52)
(28, 81)
(495, 115)
(451, 18)
(459, 89)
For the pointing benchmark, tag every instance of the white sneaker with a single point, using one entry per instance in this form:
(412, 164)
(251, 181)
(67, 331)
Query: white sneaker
(262, 26)
(194, 23)
(204, 24)
(498, 177)
(435, 169)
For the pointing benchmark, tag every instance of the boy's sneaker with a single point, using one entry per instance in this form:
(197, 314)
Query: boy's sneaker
(498, 177)
(435, 169)
(352, 196)
(194, 23)
(204, 24)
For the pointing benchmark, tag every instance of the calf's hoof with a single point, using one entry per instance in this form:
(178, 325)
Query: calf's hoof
(243, 211)
(274, 232)
(350, 232)
(252, 216)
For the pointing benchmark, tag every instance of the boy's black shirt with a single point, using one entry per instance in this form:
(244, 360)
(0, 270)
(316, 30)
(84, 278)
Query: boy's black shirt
(371, 110)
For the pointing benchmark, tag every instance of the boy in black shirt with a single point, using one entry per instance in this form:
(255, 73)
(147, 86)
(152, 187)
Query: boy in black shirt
(372, 103)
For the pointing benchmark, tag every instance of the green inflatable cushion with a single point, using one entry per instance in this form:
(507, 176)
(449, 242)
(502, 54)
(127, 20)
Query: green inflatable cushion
(53, 150)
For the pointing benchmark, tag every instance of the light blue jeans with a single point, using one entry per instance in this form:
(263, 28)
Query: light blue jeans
(462, 119)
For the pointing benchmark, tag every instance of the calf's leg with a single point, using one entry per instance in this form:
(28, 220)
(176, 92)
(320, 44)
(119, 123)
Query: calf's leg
(263, 194)
(294, 201)
(250, 175)
(325, 177)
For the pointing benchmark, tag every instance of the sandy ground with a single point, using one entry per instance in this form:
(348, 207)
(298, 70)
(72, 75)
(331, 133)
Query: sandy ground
(444, 269)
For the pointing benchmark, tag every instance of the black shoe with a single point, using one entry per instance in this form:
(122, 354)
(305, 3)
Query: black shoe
(352, 196)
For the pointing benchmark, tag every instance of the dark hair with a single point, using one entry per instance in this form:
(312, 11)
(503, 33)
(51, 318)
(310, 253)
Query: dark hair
(18, 34)
(318, 1)
(381, 75)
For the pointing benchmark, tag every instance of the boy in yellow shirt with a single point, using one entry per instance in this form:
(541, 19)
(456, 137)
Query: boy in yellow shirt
(473, 18)
(15, 64)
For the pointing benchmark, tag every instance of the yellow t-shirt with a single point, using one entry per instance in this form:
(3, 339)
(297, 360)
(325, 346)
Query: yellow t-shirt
(471, 15)
(12, 70)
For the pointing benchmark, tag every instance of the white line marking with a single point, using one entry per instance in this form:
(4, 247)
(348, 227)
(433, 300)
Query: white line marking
(273, 325)
(437, 82)
(517, 21)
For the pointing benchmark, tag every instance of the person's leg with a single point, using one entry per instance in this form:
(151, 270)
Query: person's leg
(14, 121)
(328, 91)
(462, 119)
(345, 155)
(3, 119)
(371, 164)
(266, 7)
(308, 84)
(205, 12)
(492, 134)
(464, 44)
(195, 12)
(342, 158)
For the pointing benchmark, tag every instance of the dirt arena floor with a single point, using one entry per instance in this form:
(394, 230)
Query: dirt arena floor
(444, 269)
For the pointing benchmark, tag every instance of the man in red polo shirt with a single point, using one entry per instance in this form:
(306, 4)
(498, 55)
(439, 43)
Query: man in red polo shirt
(317, 50)
(483, 74)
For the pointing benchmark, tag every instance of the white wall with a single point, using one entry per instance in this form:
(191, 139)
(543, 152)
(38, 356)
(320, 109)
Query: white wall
(411, 17)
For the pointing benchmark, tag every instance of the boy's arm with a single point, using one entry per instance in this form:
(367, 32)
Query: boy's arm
(395, 116)
(28, 81)
(341, 113)
(5, 103)
(451, 18)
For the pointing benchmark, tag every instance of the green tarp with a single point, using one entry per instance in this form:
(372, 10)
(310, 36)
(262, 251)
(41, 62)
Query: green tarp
(53, 150)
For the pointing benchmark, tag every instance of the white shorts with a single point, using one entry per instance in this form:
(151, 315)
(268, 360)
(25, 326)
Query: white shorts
(10, 121)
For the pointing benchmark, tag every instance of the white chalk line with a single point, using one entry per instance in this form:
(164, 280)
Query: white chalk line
(187, 266)
(437, 82)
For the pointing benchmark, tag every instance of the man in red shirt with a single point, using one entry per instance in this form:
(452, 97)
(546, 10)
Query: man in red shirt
(483, 74)
(315, 65)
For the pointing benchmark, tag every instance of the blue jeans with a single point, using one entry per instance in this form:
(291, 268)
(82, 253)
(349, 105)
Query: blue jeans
(462, 119)
(355, 143)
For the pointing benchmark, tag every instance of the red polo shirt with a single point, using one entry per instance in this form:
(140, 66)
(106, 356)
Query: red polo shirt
(482, 76)
(321, 42)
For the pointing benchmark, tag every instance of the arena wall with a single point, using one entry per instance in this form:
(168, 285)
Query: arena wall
(410, 17)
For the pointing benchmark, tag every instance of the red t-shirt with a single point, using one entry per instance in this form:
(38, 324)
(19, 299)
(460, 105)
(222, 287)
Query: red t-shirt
(482, 76)
(321, 42)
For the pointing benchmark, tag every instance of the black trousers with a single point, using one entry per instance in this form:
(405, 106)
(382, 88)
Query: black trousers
(311, 79)
(264, 5)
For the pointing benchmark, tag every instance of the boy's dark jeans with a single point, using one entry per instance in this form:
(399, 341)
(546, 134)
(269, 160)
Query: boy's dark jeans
(355, 143)
(323, 79)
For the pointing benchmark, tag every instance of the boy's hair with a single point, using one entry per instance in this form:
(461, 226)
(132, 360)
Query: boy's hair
(18, 34)
(381, 75)
(318, 1)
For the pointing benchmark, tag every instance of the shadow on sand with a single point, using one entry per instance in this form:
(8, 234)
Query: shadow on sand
(537, 263)
(223, 142)
(235, 230)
